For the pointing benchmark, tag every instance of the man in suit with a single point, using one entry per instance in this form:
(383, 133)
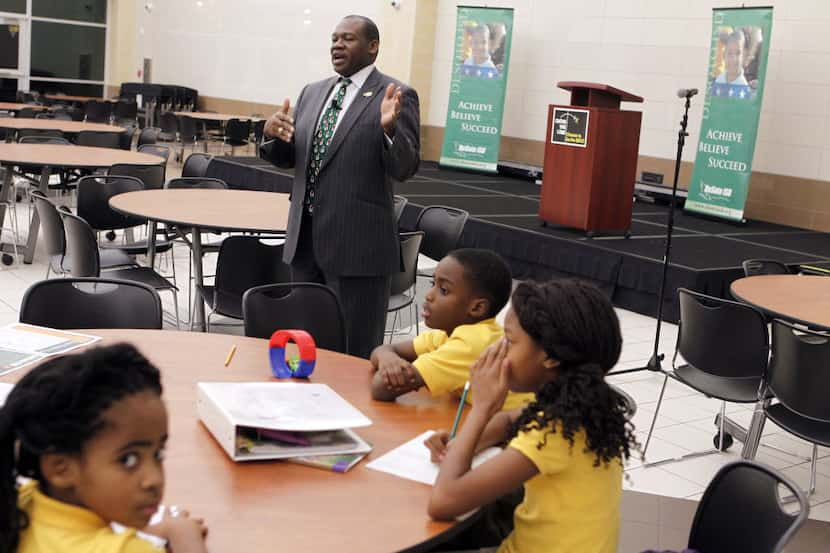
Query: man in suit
(350, 136)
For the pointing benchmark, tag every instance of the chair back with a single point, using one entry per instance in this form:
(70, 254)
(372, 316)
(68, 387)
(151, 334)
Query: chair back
(400, 204)
(22, 133)
(125, 109)
(44, 140)
(51, 225)
(27, 113)
(410, 247)
(81, 246)
(169, 124)
(45, 115)
(151, 175)
(68, 303)
(125, 139)
(159, 150)
(99, 139)
(297, 305)
(237, 130)
(97, 111)
(798, 373)
(148, 135)
(721, 337)
(245, 262)
(741, 510)
(196, 165)
(196, 182)
(188, 130)
(61, 115)
(442, 228)
(753, 267)
(259, 130)
(94, 193)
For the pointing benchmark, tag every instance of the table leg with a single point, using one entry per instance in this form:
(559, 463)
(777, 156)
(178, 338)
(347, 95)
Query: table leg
(198, 280)
(151, 244)
(34, 226)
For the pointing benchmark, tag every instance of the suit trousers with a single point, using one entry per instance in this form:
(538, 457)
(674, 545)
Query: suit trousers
(364, 299)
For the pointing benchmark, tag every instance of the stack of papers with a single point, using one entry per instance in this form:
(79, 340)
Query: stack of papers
(21, 344)
(282, 420)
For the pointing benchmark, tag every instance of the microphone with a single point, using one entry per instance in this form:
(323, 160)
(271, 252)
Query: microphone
(686, 92)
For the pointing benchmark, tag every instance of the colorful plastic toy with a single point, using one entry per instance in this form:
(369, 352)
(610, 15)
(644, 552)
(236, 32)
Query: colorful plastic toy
(295, 367)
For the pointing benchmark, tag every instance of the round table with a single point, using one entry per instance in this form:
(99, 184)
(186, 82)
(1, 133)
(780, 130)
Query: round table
(799, 298)
(52, 156)
(272, 505)
(207, 116)
(199, 209)
(14, 106)
(68, 127)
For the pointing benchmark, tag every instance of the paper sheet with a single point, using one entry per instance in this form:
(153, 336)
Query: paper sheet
(411, 460)
(37, 339)
(285, 405)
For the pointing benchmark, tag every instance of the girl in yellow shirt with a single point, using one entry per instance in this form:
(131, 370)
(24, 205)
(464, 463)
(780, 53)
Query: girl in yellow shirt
(87, 432)
(567, 447)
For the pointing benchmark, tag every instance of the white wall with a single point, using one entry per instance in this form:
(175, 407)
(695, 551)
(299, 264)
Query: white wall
(252, 50)
(652, 48)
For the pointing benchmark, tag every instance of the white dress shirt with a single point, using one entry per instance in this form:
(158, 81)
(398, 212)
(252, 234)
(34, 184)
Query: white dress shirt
(354, 87)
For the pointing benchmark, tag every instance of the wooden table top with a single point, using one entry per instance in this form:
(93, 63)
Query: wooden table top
(215, 116)
(14, 106)
(242, 210)
(271, 505)
(798, 298)
(82, 99)
(71, 127)
(57, 155)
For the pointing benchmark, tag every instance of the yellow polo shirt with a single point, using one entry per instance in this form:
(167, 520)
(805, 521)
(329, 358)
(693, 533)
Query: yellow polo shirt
(58, 527)
(444, 361)
(571, 505)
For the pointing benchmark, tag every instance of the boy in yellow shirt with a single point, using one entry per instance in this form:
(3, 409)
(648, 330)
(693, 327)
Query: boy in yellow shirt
(470, 286)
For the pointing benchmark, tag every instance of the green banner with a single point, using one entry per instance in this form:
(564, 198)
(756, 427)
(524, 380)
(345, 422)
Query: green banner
(734, 90)
(479, 78)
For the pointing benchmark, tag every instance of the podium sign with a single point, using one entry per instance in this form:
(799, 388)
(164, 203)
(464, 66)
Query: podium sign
(570, 127)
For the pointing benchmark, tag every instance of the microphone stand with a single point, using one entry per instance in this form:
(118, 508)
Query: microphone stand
(654, 363)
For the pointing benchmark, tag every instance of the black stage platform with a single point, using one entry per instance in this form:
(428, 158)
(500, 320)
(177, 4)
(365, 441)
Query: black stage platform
(706, 254)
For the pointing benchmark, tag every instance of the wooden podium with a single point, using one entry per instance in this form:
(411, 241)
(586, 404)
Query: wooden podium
(591, 160)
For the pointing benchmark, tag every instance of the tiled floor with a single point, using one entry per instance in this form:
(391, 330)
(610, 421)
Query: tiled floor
(686, 418)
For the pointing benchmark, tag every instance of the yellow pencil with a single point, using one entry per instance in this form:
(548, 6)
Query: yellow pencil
(230, 355)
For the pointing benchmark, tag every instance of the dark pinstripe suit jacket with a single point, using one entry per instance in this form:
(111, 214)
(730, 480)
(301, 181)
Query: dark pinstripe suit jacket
(354, 228)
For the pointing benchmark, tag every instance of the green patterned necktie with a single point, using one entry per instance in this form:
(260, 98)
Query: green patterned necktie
(322, 139)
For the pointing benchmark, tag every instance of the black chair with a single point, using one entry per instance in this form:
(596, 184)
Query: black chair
(151, 175)
(754, 267)
(96, 111)
(45, 115)
(196, 182)
(155, 149)
(54, 240)
(196, 165)
(296, 305)
(244, 262)
(190, 132)
(799, 378)
(400, 204)
(125, 139)
(258, 131)
(237, 133)
(61, 115)
(442, 228)
(82, 247)
(726, 346)
(94, 193)
(27, 113)
(148, 135)
(99, 139)
(169, 124)
(23, 133)
(402, 293)
(742, 510)
(125, 113)
(68, 303)
(36, 139)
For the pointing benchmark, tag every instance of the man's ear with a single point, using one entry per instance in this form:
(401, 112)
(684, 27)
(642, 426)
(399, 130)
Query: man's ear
(60, 470)
(374, 47)
(479, 308)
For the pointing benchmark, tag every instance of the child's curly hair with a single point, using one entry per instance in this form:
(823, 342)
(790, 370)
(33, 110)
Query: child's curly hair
(575, 324)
